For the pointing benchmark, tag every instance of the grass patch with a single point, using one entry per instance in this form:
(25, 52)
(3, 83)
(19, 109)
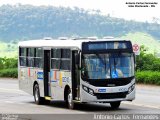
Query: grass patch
(11, 72)
(148, 77)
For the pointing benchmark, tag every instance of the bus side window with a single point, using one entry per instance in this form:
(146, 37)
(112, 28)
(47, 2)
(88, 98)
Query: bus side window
(30, 57)
(65, 65)
(66, 53)
(55, 58)
(55, 63)
(22, 56)
(65, 59)
(56, 53)
(38, 58)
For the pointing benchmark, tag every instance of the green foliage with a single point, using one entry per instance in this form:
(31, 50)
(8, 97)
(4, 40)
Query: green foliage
(6, 63)
(11, 72)
(33, 22)
(148, 68)
(147, 61)
(148, 77)
(8, 67)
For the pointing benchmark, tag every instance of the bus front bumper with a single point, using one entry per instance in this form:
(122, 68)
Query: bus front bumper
(108, 97)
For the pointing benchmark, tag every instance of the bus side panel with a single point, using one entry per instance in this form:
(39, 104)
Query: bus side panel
(66, 81)
(27, 77)
(24, 80)
(59, 79)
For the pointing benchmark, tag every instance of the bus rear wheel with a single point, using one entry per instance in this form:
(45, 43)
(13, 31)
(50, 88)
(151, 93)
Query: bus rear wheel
(37, 98)
(115, 105)
(70, 102)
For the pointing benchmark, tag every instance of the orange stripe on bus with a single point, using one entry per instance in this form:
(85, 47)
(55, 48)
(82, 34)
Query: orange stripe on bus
(28, 72)
(55, 75)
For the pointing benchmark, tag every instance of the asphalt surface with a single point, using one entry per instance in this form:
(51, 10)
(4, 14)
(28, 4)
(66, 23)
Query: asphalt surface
(19, 105)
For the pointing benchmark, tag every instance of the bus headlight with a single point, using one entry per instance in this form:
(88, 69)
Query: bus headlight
(91, 91)
(88, 90)
(85, 88)
(131, 88)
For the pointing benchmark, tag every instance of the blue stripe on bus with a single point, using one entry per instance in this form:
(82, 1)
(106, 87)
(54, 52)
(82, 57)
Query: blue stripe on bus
(40, 75)
(53, 80)
(101, 90)
(51, 74)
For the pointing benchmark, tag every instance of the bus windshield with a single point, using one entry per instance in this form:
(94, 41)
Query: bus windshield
(107, 66)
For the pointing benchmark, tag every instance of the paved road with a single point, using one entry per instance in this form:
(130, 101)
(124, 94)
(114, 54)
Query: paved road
(14, 101)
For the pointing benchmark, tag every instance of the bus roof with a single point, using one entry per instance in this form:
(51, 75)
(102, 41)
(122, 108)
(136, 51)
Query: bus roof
(60, 43)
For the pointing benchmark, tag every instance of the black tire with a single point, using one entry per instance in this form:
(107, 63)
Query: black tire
(115, 105)
(47, 102)
(38, 100)
(69, 100)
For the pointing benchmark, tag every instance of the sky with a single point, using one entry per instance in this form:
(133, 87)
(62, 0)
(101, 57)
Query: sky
(116, 8)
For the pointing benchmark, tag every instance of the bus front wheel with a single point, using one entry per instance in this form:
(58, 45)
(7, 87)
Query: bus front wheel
(70, 102)
(115, 105)
(37, 98)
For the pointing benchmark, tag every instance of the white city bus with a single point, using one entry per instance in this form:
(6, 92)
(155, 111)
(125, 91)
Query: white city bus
(77, 71)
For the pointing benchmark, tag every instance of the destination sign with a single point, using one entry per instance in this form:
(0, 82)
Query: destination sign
(108, 45)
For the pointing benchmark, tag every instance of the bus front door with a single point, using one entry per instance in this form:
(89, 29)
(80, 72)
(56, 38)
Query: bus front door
(75, 77)
(46, 69)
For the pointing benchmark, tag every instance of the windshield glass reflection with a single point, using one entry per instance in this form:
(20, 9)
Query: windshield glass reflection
(105, 66)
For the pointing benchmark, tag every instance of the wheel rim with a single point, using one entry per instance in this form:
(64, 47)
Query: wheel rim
(70, 102)
(36, 94)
